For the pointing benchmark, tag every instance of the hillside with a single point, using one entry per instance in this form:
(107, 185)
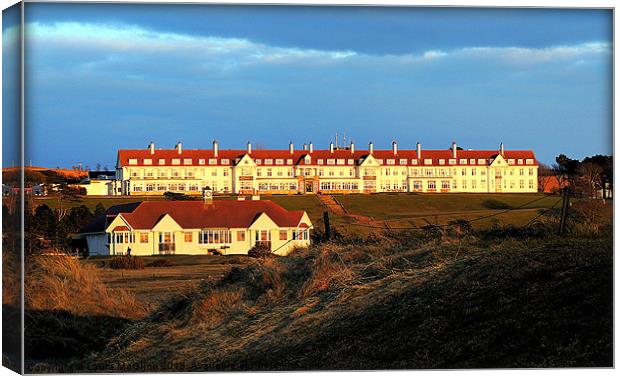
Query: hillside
(391, 303)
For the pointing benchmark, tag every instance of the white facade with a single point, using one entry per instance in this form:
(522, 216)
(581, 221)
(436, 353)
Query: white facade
(145, 172)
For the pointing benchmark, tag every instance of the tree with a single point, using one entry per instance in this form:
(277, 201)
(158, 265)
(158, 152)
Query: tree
(606, 178)
(591, 177)
(99, 209)
(566, 169)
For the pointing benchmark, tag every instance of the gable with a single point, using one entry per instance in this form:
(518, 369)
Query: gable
(118, 221)
(263, 222)
(166, 223)
(370, 161)
(246, 161)
(499, 161)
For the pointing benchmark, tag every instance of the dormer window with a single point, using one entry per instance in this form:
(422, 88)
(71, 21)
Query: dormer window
(340, 161)
(442, 161)
(225, 161)
(187, 161)
(402, 161)
(148, 161)
(350, 161)
(268, 161)
(289, 161)
(201, 161)
(319, 161)
(331, 161)
(463, 161)
(133, 161)
(391, 162)
(428, 161)
(212, 161)
(176, 161)
(162, 161)
(529, 161)
(279, 162)
(481, 161)
(414, 161)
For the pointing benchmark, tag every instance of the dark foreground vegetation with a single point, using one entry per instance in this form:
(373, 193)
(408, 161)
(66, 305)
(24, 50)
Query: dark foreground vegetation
(436, 298)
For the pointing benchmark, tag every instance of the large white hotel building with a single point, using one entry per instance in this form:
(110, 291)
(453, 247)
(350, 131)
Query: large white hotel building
(335, 170)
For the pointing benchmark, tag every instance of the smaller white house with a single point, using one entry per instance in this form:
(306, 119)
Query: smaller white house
(196, 227)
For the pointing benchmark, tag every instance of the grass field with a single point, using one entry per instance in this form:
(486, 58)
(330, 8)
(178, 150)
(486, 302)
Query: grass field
(153, 285)
(398, 209)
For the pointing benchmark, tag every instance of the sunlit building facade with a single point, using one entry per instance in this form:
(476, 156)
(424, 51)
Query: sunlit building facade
(154, 171)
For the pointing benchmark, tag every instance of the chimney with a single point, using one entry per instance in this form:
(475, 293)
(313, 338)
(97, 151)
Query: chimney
(216, 148)
(291, 147)
(179, 147)
(311, 148)
(371, 148)
(352, 147)
(331, 147)
(419, 150)
(152, 147)
(501, 148)
(249, 147)
(207, 195)
(453, 149)
(394, 147)
(305, 146)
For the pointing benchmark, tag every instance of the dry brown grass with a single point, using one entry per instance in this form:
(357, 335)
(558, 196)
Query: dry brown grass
(64, 283)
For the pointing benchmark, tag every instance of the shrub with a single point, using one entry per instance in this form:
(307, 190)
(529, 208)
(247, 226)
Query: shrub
(127, 262)
(495, 204)
(260, 251)
(460, 227)
(161, 263)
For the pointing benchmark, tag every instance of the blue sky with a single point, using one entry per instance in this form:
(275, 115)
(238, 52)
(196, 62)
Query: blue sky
(100, 77)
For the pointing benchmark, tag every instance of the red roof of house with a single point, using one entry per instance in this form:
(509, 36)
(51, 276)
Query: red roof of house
(197, 214)
(165, 157)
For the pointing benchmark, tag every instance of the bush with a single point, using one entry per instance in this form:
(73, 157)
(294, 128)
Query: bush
(260, 251)
(161, 263)
(127, 262)
(495, 204)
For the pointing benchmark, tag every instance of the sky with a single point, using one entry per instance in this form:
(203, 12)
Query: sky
(101, 77)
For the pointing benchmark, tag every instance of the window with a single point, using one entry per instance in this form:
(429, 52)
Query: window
(214, 237)
(166, 237)
(188, 237)
(473, 172)
(531, 171)
(473, 184)
(431, 184)
(137, 188)
(428, 161)
(263, 236)
(417, 184)
(351, 162)
(187, 161)
(464, 184)
(391, 161)
(214, 173)
(402, 161)
(319, 161)
(521, 184)
(279, 162)
(133, 161)
(162, 161)
(161, 187)
(452, 161)
(148, 161)
(445, 184)
(201, 161)
(212, 161)
(521, 172)
(289, 161)
(283, 234)
(331, 161)
(442, 161)
(268, 161)
(529, 161)
(269, 173)
(225, 161)
(176, 161)
(531, 185)
(150, 187)
(144, 237)
(240, 236)
(462, 161)
(414, 161)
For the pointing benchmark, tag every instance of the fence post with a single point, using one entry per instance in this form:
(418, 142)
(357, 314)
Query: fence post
(565, 200)
(326, 222)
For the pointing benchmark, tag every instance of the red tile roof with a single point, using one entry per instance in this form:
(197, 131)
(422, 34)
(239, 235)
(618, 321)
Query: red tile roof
(196, 214)
(269, 157)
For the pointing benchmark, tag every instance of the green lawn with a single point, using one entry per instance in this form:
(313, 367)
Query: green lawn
(400, 209)
(393, 206)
